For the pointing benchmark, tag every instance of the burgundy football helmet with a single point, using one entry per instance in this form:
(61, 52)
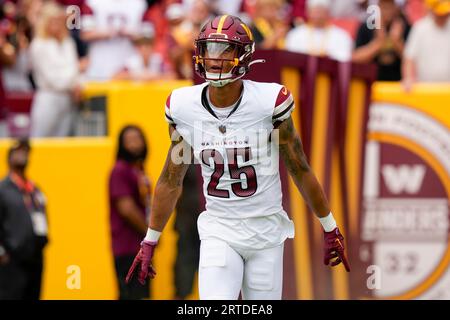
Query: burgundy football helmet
(223, 50)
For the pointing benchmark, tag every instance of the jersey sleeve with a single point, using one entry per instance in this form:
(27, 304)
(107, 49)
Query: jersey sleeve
(284, 106)
(168, 114)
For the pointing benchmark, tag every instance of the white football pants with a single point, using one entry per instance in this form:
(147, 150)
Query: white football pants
(225, 271)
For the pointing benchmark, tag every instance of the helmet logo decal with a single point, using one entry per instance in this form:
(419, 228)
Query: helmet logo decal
(249, 33)
(221, 22)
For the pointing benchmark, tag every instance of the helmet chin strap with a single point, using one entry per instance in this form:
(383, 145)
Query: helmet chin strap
(219, 83)
(222, 83)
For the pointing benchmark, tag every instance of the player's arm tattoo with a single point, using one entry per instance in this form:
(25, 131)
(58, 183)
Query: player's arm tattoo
(169, 186)
(173, 173)
(291, 148)
(291, 151)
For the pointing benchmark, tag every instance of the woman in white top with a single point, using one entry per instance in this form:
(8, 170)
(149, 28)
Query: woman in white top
(55, 69)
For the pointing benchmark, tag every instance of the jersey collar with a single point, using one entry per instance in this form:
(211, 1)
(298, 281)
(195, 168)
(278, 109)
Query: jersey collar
(208, 108)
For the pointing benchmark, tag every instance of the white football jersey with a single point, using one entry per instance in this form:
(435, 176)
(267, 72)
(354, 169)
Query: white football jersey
(238, 157)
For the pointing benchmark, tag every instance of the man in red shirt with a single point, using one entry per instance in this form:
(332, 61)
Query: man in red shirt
(129, 197)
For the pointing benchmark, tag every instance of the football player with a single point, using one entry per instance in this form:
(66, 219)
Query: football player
(236, 129)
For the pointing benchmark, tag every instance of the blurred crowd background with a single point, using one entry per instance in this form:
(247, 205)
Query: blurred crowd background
(49, 48)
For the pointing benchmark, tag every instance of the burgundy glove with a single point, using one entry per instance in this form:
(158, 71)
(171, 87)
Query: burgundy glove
(144, 260)
(334, 248)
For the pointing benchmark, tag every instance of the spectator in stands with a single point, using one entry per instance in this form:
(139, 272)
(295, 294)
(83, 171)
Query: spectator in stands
(7, 59)
(175, 14)
(109, 27)
(129, 201)
(179, 41)
(298, 12)
(82, 46)
(55, 70)
(7, 52)
(145, 64)
(427, 52)
(319, 37)
(415, 10)
(383, 46)
(269, 26)
(23, 229)
(156, 16)
(31, 9)
(199, 13)
(351, 9)
(182, 35)
(231, 7)
(17, 30)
